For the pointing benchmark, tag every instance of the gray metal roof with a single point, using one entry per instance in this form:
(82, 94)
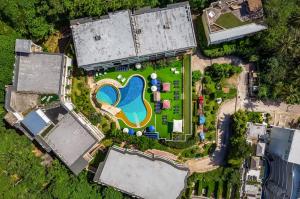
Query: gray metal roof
(35, 122)
(234, 33)
(115, 42)
(23, 46)
(38, 72)
(124, 35)
(144, 176)
(285, 144)
(164, 30)
(71, 141)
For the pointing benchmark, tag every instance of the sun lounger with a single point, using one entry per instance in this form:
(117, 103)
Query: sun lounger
(176, 72)
(123, 80)
(119, 76)
(173, 69)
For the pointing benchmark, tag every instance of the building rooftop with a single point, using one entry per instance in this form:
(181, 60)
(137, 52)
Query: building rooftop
(105, 39)
(285, 144)
(70, 140)
(254, 5)
(124, 34)
(162, 30)
(38, 72)
(23, 45)
(35, 122)
(141, 175)
(236, 32)
(256, 130)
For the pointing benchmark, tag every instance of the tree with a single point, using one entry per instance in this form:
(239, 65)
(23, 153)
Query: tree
(263, 92)
(196, 76)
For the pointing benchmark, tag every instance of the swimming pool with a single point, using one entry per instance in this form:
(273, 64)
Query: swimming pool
(107, 94)
(131, 102)
(134, 109)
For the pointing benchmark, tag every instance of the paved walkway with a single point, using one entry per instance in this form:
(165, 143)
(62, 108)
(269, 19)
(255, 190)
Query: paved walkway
(282, 113)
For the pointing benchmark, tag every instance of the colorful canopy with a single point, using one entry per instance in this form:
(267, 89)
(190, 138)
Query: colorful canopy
(151, 128)
(153, 88)
(153, 76)
(131, 132)
(139, 133)
(202, 136)
(166, 104)
(166, 87)
(177, 126)
(202, 119)
(154, 82)
(125, 130)
(138, 66)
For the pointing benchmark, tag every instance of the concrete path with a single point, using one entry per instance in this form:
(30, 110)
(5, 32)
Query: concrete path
(282, 113)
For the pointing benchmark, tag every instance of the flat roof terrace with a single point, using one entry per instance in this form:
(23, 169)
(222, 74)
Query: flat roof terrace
(105, 39)
(140, 175)
(70, 141)
(162, 30)
(121, 35)
(38, 72)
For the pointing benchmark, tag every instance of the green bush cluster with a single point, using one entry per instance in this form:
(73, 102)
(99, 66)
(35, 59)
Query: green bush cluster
(239, 148)
(223, 182)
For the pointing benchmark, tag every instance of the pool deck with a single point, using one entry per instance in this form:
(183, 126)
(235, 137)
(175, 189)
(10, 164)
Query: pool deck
(121, 115)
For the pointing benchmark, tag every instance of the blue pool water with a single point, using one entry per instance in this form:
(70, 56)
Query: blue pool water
(107, 94)
(131, 102)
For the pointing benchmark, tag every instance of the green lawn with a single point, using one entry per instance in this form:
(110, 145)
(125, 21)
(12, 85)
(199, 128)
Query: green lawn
(229, 20)
(164, 73)
(187, 105)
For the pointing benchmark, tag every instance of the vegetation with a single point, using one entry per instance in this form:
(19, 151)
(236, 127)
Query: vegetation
(229, 20)
(23, 174)
(163, 70)
(196, 76)
(245, 48)
(187, 92)
(239, 148)
(7, 43)
(223, 182)
(275, 51)
(215, 86)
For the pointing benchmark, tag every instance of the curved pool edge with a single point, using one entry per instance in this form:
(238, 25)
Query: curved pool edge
(113, 86)
(121, 115)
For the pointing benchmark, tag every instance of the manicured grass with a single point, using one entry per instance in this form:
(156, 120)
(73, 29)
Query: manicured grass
(187, 90)
(164, 73)
(228, 20)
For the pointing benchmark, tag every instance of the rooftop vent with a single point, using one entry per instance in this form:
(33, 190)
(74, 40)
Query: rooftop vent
(167, 26)
(97, 37)
(138, 31)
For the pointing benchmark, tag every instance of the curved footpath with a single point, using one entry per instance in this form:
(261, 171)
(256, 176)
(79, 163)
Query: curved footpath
(279, 112)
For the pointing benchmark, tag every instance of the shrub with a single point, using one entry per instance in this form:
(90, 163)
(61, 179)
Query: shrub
(196, 76)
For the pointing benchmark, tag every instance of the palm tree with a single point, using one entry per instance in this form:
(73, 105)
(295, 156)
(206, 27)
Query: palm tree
(292, 94)
(295, 20)
(286, 44)
(295, 76)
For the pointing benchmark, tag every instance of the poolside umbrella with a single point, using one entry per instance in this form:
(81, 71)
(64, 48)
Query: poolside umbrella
(153, 76)
(154, 82)
(131, 132)
(151, 128)
(139, 133)
(202, 136)
(125, 130)
(202, 119)
(138, 66)
(153, 88)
